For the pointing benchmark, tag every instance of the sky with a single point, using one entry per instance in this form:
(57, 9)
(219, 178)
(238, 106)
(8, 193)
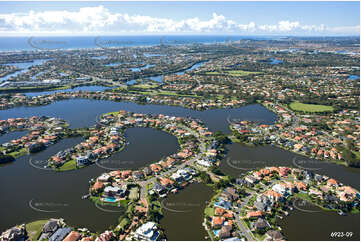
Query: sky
(210, 18)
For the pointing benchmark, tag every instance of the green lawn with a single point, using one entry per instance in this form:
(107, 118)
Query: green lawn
(297, 106)
(34, 229)
(146, 86)
(164, 93)
(70, 165)
(124, 223)
(357, 154)
(110, 113)
(242, 73)
(213, 73)
(209, 212)
(18, 153)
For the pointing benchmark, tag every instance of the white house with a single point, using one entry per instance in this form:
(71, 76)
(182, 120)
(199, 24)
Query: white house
(279, 188)
(104, 177)
(147, 231)
(204, 163)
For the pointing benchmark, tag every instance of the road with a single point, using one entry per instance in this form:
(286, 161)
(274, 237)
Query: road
(241, 226)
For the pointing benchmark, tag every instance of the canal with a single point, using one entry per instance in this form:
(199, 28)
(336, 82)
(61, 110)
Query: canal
(183, 213)
(27, 190)
(60, 193)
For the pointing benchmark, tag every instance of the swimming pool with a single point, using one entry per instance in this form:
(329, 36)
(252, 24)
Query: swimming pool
(110, 199)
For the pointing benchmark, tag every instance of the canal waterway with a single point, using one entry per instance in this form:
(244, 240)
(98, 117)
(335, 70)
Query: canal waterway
(61, 192)
(27, 189)
(183, 213)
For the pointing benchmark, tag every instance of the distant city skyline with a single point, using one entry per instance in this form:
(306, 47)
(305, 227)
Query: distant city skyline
(211, 18)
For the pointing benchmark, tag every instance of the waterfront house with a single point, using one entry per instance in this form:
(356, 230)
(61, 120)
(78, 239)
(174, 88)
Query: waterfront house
(16, 233)
(260, 225)
(60, 234)
(104, 177)
(229, 194)
(225, 232)
(251, 179)
(274, 235)
(147, 232)
(158, 188)
(106, 236)
(82, 160)
(167, 183)
(332, 183)
(221, 203)
(138, 175)
(98, 185)
(110, 191)
(72, 236)
(217, 221)
(147, 171)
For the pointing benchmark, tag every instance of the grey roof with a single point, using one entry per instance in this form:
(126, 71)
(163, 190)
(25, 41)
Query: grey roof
(51, 226)
(275, 235)
(60, 234)
(260, 224)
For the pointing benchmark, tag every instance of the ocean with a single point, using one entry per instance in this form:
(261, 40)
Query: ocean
(85, 42)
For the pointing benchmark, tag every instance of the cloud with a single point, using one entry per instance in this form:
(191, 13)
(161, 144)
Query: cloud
(100, 20)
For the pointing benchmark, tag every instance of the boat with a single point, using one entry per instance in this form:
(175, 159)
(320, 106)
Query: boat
(341, 213)
(85, 196)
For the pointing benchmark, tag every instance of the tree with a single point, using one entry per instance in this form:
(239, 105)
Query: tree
(6, 158)
(221, 137)
(205, 177)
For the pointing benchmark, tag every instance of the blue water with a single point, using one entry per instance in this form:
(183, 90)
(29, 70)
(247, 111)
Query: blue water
(131, 82)
(354, 77)
(24, 66)
(157, 78)
(103, 57)
(151, 55)
(195, 66)
(216, 232)
(110, 199)
(82, 88)
(160, 77)
(137, 69)
(79, 42)
(114, 64)
(275, 61)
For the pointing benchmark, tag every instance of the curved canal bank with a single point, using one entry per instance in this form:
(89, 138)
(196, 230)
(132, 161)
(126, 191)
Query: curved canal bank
(61, 192)
(184, 212)
(29, 190)
(242, 158)
(83, 112)
(319, 225)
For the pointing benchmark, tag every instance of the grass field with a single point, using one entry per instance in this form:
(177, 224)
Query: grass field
(34, 229)
(313, 108)
(18, 153)
(209, 212)
(146, 86)
(70, 165)
(242, 73)
(164, 93)
(110, 113)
